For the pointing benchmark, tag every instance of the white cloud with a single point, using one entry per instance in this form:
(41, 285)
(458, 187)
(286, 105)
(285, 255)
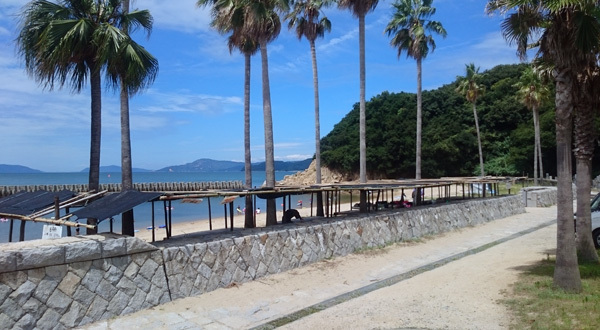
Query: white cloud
(179, 15)
(186, 101)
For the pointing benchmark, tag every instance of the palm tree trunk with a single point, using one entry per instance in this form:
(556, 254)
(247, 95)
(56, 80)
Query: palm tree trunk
(478, 140)
(248, 216)
(535, 148)
(538, 139)
(127, 226)
(584, 152)
(362, 116)
(419, 120)
(566, 271)
(585, 244)
(95, 137)
(268, 123)
(313, 53)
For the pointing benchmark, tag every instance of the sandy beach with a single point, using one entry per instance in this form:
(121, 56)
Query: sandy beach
(182, 228)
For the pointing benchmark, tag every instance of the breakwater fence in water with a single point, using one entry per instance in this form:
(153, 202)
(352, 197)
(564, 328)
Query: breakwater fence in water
(116, 187)
(69, 282)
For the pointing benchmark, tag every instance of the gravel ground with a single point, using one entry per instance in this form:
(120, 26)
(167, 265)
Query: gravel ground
(462, 294)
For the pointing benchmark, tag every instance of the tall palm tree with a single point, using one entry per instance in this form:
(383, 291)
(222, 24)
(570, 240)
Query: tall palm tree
(133, 70)
(409, 28)
(228, 17)
(565, 33)
(264, 24)
(359, 9)
(469, 87)
(532, 92)
(305, 18)
(64, 43)
(586, 102)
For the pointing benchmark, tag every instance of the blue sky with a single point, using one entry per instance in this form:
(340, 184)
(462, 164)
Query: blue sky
(195, 107)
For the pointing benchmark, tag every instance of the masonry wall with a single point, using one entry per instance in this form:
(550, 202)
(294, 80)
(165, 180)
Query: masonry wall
(74, 281)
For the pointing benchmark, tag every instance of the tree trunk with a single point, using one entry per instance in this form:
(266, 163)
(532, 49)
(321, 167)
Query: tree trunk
(127, 225)
(268, 123)
(313, 53)
(536, 115)
(585, 243)
(584, 152)
(362, 116)
(535, 148)
(566, 271)
(419, 120)
(95, 137)
(248, 215)
(478, 140)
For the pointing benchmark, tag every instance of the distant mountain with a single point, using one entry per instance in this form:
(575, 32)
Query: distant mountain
(205, 165)
(210, 165)
(115, 169)
(17, 169)
(300, 165)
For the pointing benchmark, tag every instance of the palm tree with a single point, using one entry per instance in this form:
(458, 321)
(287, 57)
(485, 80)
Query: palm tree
(228, 17)
(472, 90)
(359, 9)
(409, 28)
(566, 35)
(532, 93)
(264, 24)
(133, 70)
(64, 43)
(305, 17)
(586, 101)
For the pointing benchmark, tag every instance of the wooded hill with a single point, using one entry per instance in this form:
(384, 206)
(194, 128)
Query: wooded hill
(449, 136)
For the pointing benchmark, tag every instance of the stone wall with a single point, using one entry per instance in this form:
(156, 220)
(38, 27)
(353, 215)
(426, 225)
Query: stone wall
(74, 281)
(63, 283)
(193, 269)
(540, 196)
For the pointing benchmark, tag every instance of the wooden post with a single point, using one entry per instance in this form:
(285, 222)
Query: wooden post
(22, 231)
(10, 230)
(209, 215)
(225, 211)
(231, 214)
(166, 219)
(153, 237)
(170, 220)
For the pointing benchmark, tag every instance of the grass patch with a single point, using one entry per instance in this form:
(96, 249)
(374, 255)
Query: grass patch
(537, 304)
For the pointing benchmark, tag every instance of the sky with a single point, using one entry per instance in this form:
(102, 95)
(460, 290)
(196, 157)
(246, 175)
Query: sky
(194, 109)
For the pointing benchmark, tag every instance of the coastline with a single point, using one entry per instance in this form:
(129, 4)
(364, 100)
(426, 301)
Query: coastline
(201, 225)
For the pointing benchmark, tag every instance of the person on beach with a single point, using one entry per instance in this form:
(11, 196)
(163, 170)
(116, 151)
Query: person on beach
(289, 214)
(258, 210)
(239, 210)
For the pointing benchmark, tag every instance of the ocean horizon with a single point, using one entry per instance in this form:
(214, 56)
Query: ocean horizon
(181, 212)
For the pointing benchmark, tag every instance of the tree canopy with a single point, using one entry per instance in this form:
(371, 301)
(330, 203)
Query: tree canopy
(449, 137)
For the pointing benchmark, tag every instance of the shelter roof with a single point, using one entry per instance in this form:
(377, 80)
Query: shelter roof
(24, 203)
(113, 204)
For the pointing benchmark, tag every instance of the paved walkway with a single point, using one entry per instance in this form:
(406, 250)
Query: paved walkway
(451, 281)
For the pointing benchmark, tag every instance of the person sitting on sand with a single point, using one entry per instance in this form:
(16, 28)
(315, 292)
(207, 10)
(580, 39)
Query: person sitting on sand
(239, 210)
(289, 214)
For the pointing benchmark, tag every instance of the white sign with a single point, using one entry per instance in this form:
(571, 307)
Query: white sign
(52, 231)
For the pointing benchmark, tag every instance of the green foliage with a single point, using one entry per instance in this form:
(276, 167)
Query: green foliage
(449, 137)
(537, 304)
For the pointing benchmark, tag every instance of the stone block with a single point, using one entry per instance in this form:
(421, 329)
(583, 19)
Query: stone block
(39, 257)
(69, 283)
(136, 245)
(8, 261)
(59, 301)
(82, 251)
(114, 247)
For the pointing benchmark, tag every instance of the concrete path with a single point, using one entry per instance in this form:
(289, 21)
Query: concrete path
(450, 281)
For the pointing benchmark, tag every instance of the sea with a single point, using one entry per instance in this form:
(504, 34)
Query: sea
(181, 212)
